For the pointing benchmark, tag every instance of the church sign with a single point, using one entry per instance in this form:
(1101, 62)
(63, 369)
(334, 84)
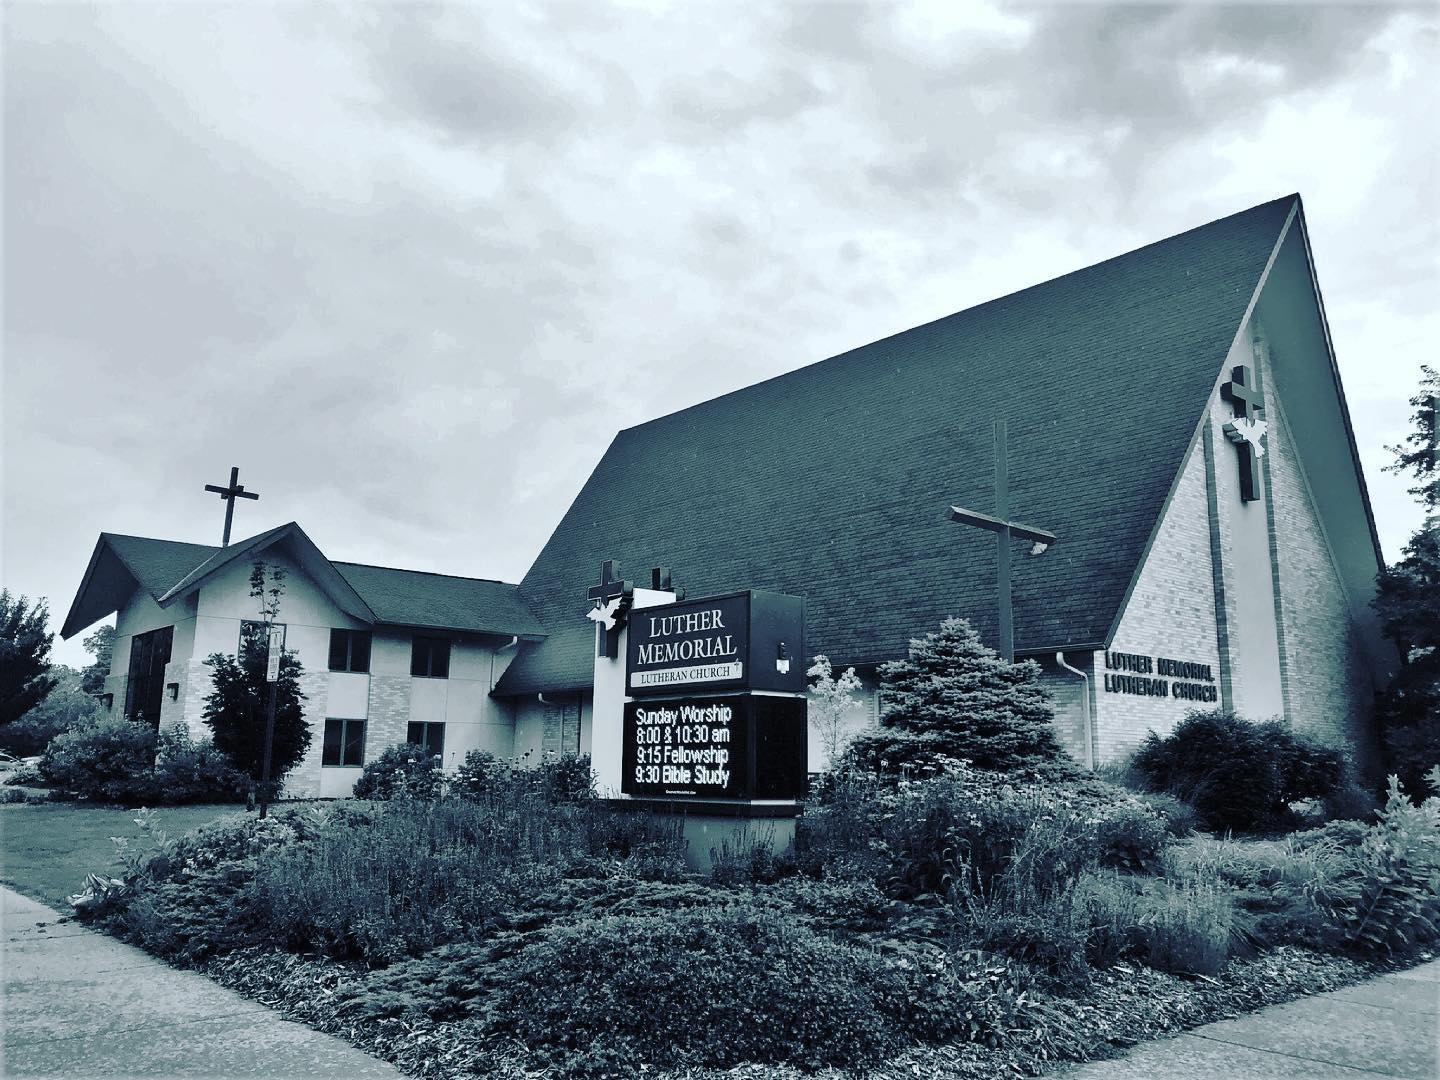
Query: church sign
(742, 641)
(727, 746)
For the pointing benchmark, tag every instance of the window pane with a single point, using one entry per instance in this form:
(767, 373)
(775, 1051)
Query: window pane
(333, 738)
(415, 733)
(339, 639)
(435, 740)
(440, 659)
(420, 657)
(355, 742)
(359, 650)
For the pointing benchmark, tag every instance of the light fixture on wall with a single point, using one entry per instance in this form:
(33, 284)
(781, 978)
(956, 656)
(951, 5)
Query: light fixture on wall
(174, 688)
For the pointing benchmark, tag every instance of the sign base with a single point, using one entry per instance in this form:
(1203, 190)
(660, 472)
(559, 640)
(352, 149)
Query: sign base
(715, 828)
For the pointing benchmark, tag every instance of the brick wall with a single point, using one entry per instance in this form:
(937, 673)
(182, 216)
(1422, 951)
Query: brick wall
(1328, 686)
(389, 713)
(1171, 613)
(304, 780)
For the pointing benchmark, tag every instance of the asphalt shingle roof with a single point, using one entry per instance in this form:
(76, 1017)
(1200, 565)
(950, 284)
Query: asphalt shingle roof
(399, 597)
(832, 482)
(414, 598)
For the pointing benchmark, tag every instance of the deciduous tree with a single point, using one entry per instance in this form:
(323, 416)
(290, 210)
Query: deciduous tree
(1408, 600)
(24, 655)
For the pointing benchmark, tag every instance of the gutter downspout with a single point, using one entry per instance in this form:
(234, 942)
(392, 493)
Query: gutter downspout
(494, 652)
(1089, 732)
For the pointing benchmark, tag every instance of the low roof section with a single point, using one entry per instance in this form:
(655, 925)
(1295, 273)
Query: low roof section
(169, 570)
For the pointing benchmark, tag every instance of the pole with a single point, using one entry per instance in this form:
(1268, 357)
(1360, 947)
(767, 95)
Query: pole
(269, 743)
(274, 649)
(1002, 538)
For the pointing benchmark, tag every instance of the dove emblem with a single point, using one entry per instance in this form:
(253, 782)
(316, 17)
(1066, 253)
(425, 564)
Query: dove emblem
(1247, 431)
(606, 614)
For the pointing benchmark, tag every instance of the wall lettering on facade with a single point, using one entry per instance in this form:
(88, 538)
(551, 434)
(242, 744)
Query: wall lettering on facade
(1185, 680)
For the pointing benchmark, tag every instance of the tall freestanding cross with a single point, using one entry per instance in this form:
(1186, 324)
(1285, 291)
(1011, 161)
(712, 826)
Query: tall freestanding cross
(235, 491)
(1005, 530)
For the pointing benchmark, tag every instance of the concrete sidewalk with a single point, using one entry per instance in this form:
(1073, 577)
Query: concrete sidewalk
(1388, 1026)
(79, 1004)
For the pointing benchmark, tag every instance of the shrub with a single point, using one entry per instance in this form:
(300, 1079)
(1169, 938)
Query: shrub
(1236, 774)
(1186, 926)
(1131, 838)
(403, 771)
(954, 699)
(11, 795)
(679, 989)
(557, 778)
(189, 771)
(108, 761)
(26, 775)
(1351, 802)
(1179, 817)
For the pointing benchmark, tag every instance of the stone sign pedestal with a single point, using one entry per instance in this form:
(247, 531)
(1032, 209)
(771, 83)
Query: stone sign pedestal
(700, 715)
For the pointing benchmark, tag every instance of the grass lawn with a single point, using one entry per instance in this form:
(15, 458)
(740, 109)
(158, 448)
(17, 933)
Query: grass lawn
(46, 850)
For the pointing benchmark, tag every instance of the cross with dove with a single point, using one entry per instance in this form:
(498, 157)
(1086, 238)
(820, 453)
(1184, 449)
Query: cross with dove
(1247, 429)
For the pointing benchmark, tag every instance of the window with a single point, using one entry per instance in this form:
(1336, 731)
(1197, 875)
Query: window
(430, 736)
(252, 636)
(430, 658)
(344, 743)
(349, 650)
(145, 686)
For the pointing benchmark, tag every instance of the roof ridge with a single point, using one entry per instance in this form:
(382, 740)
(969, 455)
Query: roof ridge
(963, 311)
(427, 573)
(158, 540)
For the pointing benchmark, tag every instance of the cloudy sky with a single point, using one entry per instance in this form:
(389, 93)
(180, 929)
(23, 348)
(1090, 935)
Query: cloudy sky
(410, 267)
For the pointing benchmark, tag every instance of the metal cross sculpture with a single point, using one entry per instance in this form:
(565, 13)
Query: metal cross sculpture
(612, 598)
(229, 494)
(1245, 431)
(1005, 530)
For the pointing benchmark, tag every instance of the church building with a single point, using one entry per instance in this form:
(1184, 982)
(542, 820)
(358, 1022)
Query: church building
(1175, 419)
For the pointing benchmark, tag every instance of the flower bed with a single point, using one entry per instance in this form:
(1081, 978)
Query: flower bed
(960, 926)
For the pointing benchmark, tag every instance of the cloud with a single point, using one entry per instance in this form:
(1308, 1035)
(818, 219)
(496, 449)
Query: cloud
(411, 267)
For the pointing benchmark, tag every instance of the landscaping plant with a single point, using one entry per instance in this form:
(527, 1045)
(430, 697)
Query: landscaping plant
(955, 699)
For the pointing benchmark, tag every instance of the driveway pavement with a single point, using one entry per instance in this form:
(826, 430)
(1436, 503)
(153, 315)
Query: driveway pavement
(80, 1005)
(1388, 1027)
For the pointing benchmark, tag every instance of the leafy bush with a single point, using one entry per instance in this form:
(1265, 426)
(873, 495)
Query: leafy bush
(1179, 817)
(11, 795)
(188, 771)
(25, 774)
(557, 778)
(1351, 802)
(403, 771)
(1131, 838)
(126, 762)
(954, 699)
(1236, 774)
(106, 761)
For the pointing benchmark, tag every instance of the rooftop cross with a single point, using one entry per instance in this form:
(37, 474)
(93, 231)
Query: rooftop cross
(612, 596)
(1005, 531)
(1243, 392)
(229, 494)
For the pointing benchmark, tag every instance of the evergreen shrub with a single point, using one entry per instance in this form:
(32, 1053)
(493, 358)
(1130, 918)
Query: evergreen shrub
(954, 699)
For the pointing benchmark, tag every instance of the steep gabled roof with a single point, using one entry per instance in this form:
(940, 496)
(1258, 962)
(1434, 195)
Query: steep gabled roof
(310, 557)
(168, 570)
(832, 482)
(121, 563)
